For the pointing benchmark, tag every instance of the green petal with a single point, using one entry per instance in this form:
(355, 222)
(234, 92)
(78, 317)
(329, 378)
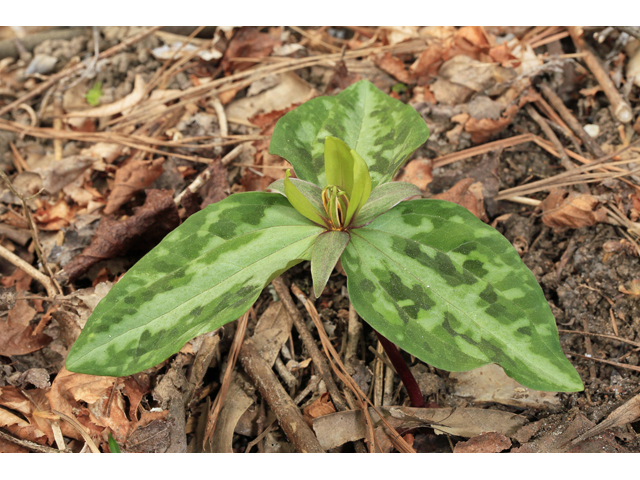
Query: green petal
(300, 202)
(326, 253)
(338, 164)
(361, 186)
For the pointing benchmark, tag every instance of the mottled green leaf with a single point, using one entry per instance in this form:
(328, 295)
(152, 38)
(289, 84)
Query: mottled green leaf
(384, 197)
(452, 291)
(300, 202)
(383, 130)
(204, 274)
(326, 253)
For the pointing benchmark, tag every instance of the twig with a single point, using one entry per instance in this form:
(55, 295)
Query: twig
(611, 337)
(341, 371)
(29, 270)
(27, 444)
(572, 122)
(92, 446)
(608, 362)
(34, 234)
(564, 159)
(621, 108)
(222, 117)
(407, 378)
(305, 335)
(289, 417)
(228, 374)
(76, 68)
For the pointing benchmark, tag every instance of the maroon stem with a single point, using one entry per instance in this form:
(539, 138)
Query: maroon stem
(407, 378)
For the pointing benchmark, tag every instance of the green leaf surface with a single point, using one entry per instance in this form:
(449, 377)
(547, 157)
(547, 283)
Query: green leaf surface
(204, 274)
(383, 130)
(326, 253)
(300, 202)
(383, 198)
(452, 291)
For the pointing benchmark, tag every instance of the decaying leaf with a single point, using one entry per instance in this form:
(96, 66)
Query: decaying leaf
(490, 442)
(131, 178)
(35, 428)
(54, 217)
(562, 209)
(17, 336)
(150, 434)
(418, 172)
(148, 225)
(464, 195)
(247, 42)
(489, 384)
(394, 67)
(90, 400)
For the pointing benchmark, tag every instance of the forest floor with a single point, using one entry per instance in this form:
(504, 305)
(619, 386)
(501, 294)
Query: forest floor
(103, 129)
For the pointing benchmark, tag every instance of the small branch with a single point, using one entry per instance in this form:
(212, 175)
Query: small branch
(621, 109)
(29, 270)
(289, 417)
(27, 444)
(407, 378)
(557, 103)
(305, 335)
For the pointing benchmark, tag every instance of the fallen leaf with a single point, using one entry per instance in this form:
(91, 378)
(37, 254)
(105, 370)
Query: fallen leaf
(54, 217)
(113, 238)
(394, 67)
(18, 279)
(119, 106)
(341, 78)
(428, 63)
(321, 406)
(483, 129)
(490, 442)
(486, 78)
(489, 384)
(91, 401)
(36, 428)
(467, 197)
(247, 42)
(17, 335)
(418, 172)
(131, 178)
(150, 434)
(562, 209)
(216, 188)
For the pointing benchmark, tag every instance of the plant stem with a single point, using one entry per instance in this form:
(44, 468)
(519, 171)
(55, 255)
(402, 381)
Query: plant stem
(407, 378)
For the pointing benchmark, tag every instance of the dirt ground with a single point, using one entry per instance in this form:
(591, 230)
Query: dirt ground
(100, 149)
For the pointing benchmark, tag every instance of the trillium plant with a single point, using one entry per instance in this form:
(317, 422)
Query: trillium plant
(426, 274)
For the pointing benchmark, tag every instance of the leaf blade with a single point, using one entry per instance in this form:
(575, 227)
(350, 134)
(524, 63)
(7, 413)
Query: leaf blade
(384, 131)
(452, 291)
(204, 274)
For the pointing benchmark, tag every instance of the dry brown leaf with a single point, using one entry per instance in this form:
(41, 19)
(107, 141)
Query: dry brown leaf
(563, 209)
(69, 394)
(394, 67)
(489, 384)
(150, 434)
(428, 63)
(418, 172)
(54, 217)
(341, 78)
(247, 42)
(490, 442)
(322, 406)
(13, 399)
(131, 178)
(18, 279)
(467, 197)
(17, 336)
(113, 238)
(502, 54)
(119, 106)
(483, 129)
